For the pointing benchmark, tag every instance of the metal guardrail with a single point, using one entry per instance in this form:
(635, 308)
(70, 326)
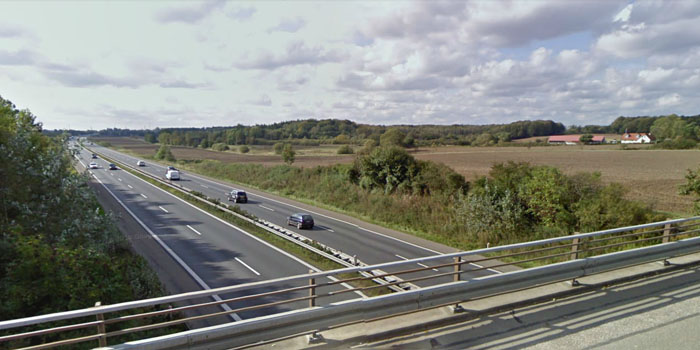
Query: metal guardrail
(566, 258)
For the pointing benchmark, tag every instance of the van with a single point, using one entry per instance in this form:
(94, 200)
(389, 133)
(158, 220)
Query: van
(238, 196)
(172, 175)
(301, 220)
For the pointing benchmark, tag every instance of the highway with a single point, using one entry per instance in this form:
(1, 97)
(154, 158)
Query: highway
(215, 253)
(369, 246)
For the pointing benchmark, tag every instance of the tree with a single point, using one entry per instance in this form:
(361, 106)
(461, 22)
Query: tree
(165, 153)
(288, 154)
(392, 137)
(149, 137)
(586, 138)
(345, 149)
(692, 187)
(278, 147)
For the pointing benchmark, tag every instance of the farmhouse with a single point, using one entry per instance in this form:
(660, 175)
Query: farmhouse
(637, 137)
(573, 139)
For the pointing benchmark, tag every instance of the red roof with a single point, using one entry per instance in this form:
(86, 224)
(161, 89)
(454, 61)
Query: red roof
(574, 138)
(634, 136)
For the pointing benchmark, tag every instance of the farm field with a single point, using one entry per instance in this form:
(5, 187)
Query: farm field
(651, 176)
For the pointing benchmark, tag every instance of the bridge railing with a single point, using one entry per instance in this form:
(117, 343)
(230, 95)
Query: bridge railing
(329, 290)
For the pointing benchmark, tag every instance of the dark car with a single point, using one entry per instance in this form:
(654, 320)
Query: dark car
(94, 156)
(301, 220)
(238, 196)
(112, 166)
(170, 167)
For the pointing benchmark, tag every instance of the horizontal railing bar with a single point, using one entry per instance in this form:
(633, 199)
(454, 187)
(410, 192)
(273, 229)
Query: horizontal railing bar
(48, 331)
(62, 342)
(222, 290)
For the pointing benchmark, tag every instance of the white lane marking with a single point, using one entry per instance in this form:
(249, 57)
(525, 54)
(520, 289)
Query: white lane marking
(119, 179)
(177, 258)
(111, 174)
(205, 186)
(163, 209)
(130, 187)
(289, 255)
(426, 266)
(144, 196)
(329, 230)
(419, 264)
(192, 228)
(246, 265)
(264, 207)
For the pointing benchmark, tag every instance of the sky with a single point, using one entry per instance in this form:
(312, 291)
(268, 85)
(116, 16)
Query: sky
(148, 64)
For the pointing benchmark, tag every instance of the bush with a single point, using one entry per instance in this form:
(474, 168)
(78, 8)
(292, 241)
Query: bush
(244, 149)
(219, 147)
(288, 154)
(345, 149)
(278, 147)
(164, 153)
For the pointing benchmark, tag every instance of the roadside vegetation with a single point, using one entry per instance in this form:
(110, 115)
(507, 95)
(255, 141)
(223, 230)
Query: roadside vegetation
(386, 185)
(58, 249)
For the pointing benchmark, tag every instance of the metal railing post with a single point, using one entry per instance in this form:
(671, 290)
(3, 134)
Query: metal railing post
(312, 290)
(666, 238)
(574, 255)
(102, 340)
(458, 267)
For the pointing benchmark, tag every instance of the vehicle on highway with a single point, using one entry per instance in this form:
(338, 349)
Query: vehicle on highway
(112, 166)
(141, 163)
(92, 165)
(172, 175)
(170, 167)
(238, 196)
(94, 156)
(301, 220)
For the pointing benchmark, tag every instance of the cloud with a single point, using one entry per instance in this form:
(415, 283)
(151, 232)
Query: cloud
(17, 58)
(182, 84)
(669, 100)
(262, 100)
(189, 14)
(88, 78)
(641, 40)
(241, 13)
(295, 54)
(7, 31)
(289, 25)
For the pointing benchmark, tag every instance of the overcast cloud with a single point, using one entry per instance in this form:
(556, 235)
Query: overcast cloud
(211, 63)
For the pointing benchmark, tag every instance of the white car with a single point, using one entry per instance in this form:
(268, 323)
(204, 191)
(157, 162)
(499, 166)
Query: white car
(92, 165)
(172, 175)
(141, 163)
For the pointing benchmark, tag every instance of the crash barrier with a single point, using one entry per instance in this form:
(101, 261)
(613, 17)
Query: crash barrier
(305, 303)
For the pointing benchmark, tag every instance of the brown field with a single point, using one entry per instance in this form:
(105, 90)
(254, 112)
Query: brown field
(651, 176)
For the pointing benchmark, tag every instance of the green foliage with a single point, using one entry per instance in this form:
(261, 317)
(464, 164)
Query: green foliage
(392, 137)
(220, 147)
(692, 187)
(58, 249)
(164, 153)
(278, 148)
(586, 138)
(673, 127)
(522, 202)
(149, 137)
(288, 154)
(345, 149)
(391, 169)
(244, 149)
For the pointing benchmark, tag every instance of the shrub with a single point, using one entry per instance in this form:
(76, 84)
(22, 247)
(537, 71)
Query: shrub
(165, 153)
(219, 147)
(288, 154)
(345, 149)
(244, 149)
(278, 147)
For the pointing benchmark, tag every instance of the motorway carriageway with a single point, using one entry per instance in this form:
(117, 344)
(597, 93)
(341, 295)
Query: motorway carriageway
(369, 246)
(215, 253)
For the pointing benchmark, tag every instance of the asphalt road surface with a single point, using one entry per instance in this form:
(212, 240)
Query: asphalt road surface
(369, 246)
